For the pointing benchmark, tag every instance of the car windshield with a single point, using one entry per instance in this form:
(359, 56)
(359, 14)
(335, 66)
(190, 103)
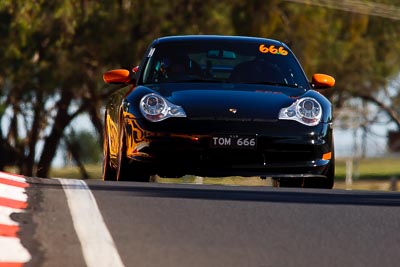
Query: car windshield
(222, 62)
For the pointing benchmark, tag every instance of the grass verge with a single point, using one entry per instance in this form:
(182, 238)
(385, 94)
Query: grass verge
(368, 174)
(370, 168)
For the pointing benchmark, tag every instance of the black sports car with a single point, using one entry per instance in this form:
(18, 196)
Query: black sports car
(219, 106)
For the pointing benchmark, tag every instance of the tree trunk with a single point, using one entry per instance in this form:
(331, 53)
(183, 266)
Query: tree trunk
(29, 163)
(9, 157)
(72, 147)
(391, 112)
(52, 141)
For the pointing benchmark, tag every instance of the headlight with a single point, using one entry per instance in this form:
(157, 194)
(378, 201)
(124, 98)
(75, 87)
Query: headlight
(156, 108)
(305, 110)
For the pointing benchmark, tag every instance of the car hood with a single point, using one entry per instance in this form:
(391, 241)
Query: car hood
(230, 101)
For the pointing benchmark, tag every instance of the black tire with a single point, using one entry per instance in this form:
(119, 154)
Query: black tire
(108, 172)
(139, 174)
(128, 171)
(323, 183)
(288, 182)
(122, 164)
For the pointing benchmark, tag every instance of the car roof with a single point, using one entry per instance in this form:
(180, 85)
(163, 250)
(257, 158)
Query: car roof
(209, 38)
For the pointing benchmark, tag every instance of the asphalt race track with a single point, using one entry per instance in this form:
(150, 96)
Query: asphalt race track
(96, 223)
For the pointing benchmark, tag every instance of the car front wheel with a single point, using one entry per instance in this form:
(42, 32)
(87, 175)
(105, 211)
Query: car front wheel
(323, 183)
(127, 171)
(108, 172)
(288, 182)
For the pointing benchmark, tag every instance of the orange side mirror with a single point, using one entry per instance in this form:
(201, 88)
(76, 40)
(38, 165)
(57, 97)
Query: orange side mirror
(322, 81)
(117, 76)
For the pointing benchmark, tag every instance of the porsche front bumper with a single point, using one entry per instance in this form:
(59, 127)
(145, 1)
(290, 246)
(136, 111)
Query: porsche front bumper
(284, 149)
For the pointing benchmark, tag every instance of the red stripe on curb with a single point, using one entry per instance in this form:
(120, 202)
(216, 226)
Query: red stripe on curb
(9, 230)
(11, 264)
(11, 203)
(13, 183)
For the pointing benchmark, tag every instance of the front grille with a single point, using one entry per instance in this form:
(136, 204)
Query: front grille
(261, 156)
(269, 150)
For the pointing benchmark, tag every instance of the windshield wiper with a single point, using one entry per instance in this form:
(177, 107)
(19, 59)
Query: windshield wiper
(276, 84)
(198, 81)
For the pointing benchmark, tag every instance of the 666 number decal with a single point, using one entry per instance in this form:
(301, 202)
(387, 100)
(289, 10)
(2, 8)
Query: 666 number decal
(234, 141)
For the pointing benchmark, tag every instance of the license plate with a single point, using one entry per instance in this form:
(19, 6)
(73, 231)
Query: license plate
(234, 141)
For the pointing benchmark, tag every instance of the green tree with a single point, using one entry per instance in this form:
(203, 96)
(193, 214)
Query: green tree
(53, 54)
(361, 51)
(86, 145)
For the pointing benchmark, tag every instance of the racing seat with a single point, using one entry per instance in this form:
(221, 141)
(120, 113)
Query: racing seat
(181, 67)
(256, 71)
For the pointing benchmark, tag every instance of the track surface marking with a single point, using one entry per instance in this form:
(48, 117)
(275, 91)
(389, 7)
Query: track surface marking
(97, 244)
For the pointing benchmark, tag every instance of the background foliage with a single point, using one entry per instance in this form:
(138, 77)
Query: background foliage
(53, 54)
